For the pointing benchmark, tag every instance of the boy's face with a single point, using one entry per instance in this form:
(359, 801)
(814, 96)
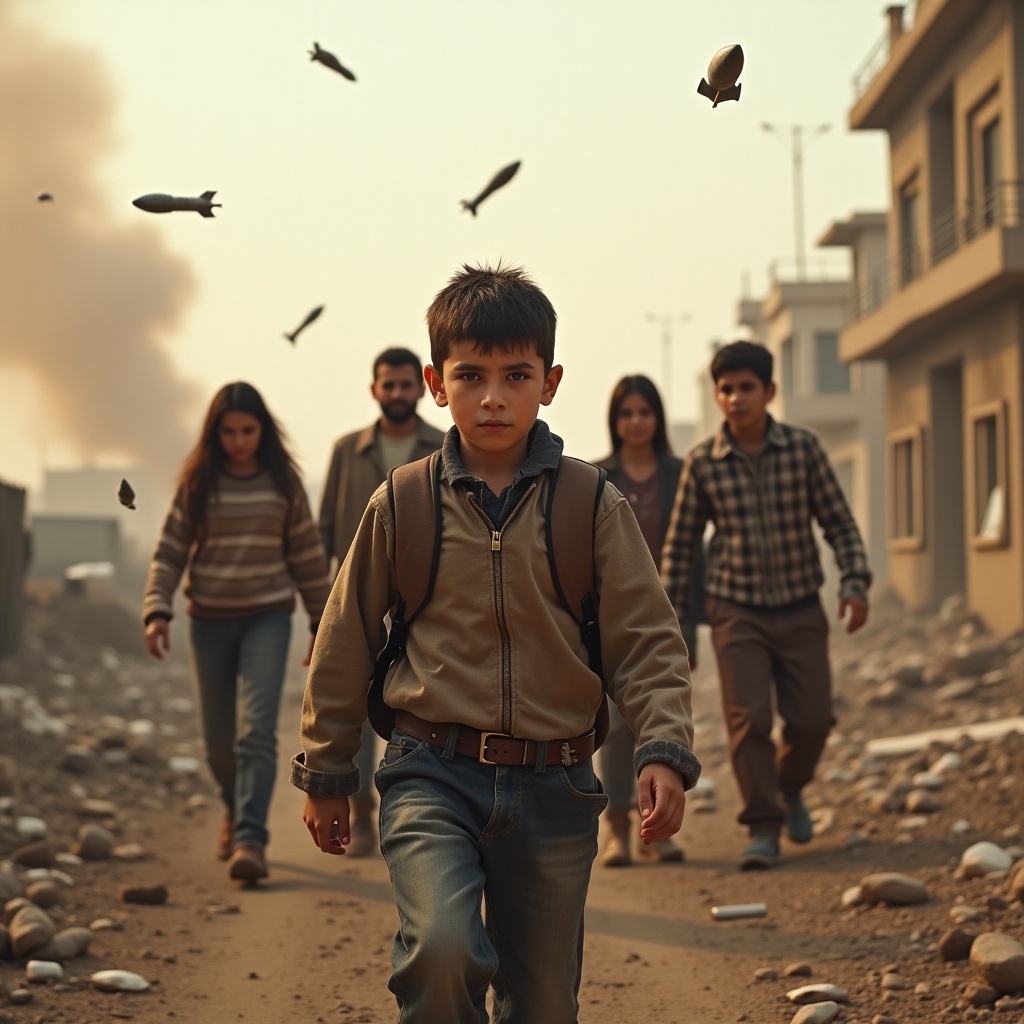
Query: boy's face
(494, 397)
(743, 398)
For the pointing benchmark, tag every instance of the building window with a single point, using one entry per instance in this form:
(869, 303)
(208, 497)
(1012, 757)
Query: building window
(833, 374)
(991, 157)
(910, 247)
(788, 368)
(906, 508)
(988, 428)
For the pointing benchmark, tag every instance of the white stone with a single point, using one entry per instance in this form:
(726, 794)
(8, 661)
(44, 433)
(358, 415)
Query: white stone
(928, 780)
(41, 971)
(950, 761)
(818, 993)
(852, 897)
(119, 981)
(982, 859)
(31, 828)
(960, 827)
(183, 764)
(141, 727)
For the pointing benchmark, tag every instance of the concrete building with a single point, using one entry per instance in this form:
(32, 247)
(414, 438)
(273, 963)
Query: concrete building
(943, 305)
(799, 321)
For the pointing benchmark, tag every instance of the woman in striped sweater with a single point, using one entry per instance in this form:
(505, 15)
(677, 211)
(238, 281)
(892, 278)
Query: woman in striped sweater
(240, 525)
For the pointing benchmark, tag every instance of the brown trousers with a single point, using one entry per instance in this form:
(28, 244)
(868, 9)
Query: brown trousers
(756, 647)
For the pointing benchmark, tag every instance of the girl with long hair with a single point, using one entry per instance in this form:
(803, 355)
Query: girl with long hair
(644, 469)
(240, 525)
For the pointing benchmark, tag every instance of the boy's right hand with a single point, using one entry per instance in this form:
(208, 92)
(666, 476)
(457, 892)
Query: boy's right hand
(158, 637)
(327, 821)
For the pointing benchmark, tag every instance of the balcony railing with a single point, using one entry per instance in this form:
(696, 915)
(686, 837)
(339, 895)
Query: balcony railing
(1000, 206)
(801, 270)
(878, 55)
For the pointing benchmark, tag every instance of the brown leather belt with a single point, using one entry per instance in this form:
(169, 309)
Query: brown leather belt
(496, 747)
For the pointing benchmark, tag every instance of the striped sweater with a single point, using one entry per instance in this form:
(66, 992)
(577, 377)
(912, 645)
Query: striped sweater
(258, 549)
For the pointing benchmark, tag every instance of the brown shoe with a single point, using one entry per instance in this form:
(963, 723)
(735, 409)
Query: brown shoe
(227, 828)
(247, 864)
(662, 852)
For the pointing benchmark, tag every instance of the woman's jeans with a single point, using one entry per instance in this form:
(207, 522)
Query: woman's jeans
(455, 833)
(616, 763)
(239, 667)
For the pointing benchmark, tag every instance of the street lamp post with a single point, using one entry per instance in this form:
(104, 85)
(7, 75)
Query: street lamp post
(796, 133)
(666, 320)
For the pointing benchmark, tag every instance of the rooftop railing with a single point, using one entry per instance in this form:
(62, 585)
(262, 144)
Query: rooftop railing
(802, 270)
(1002, 205)
(878, 55)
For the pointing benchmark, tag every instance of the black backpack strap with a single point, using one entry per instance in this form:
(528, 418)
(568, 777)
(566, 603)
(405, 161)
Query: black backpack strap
(414, 497)
(577, 485)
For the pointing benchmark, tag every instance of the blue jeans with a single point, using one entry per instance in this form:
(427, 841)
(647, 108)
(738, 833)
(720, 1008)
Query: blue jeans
(456, 833)
(239, 665)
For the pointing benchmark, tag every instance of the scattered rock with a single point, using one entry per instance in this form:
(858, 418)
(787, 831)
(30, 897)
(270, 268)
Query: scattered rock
(151, 895)
(94, 842)
(997, 960)
(819, 993)
(893, 888)
(43, 894)
(982, 859)
(30, 928)
(119, 981)
(819, 1013)
(40, 854)
(955, 945)
(39, 972)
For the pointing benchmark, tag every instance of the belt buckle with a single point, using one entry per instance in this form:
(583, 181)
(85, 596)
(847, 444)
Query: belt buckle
(484, 737)
(568, 755)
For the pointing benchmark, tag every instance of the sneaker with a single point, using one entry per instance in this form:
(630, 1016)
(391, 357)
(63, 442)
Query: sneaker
(799, 826)
(762, 853)
(662, 852)
(224, 837)
(247, 864)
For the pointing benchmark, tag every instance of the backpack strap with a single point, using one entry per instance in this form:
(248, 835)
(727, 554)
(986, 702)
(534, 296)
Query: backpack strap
(577, 485)
(417, 525)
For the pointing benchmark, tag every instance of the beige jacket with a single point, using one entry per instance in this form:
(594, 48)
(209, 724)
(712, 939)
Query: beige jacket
(495, 649)
(354, 474)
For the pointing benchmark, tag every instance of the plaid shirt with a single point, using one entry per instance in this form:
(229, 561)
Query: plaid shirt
(763, 553)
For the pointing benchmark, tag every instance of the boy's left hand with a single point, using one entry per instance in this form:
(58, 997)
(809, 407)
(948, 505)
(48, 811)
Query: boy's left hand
(662, 801)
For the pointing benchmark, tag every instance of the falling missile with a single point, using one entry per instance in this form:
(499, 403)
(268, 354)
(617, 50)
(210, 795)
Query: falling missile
(126, 495)
(310, 317)
(503, 177)
(330, 61)
(45, 197)
(158, 202)
(724, 69)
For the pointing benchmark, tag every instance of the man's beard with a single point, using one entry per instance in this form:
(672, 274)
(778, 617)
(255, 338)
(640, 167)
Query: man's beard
(398, 411)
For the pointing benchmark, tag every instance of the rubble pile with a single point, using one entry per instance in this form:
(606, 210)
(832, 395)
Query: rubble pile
(92, 732)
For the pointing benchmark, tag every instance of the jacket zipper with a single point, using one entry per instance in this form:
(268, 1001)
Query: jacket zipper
(499, 604)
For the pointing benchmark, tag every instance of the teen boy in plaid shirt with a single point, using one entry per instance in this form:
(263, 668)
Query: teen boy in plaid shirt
(761, 483)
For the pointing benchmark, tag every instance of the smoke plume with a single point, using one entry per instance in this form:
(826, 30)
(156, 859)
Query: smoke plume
(85, 300)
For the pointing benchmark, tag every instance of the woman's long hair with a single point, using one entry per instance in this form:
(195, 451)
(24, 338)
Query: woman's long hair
(198, 478)
(638, 384)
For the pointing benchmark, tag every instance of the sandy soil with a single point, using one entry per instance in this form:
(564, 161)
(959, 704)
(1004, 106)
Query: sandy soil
(313, 943)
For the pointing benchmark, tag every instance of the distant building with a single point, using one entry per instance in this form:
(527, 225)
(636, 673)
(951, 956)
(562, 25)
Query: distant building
(799, 321)
(942, 304)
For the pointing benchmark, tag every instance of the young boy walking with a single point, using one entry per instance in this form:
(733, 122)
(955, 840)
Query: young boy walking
(487, 788)
(761, 483)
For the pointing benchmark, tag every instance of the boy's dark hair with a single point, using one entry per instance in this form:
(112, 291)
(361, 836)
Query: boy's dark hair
(493, 307)
(395, 357)
(743, 355)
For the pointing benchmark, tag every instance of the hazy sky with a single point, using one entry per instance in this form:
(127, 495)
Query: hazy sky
(634, 195)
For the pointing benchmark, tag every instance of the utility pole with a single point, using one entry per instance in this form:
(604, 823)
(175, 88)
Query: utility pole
(666, 320)
(796, 133)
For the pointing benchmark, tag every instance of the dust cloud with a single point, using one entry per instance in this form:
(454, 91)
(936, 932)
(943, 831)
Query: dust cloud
(86, 300)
